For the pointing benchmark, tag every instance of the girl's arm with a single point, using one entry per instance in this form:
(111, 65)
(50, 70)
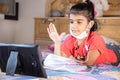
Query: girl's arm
(57, 49)
(91, 57)
(53, 34)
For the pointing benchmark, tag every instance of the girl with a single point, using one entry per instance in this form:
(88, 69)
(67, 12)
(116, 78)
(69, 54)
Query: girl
(83, 44)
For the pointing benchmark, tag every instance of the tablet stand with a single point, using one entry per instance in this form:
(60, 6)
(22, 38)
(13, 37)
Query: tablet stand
(12, 63)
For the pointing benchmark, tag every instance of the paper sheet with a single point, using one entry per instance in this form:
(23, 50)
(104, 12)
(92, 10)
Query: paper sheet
(60, 63)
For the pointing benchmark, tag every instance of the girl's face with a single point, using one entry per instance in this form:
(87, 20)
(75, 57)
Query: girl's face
(78, 24)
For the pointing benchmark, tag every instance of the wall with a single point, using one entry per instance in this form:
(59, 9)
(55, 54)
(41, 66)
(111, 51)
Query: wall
(7, 31)
(22, 31)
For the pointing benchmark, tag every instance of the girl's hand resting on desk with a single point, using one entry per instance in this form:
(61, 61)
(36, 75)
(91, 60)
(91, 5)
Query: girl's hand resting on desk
(53, 34)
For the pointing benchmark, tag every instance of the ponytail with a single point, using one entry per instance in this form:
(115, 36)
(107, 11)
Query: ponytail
(90, 8)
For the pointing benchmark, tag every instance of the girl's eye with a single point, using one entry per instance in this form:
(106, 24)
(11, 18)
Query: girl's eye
(71, 22)
(78, 22)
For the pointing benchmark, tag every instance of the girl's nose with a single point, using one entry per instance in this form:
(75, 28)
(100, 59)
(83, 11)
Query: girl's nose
(75, 24)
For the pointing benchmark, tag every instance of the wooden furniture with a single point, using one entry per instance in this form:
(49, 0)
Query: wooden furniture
(41, 25)
(62, 5)
(108, 26)
(114, 9)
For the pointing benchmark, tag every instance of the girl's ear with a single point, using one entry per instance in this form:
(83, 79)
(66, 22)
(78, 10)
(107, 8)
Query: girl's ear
(91, 23)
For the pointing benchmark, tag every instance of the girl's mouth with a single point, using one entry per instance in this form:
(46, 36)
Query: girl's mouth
(75, 32)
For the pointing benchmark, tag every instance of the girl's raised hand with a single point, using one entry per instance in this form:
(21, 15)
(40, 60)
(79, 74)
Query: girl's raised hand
(53, 34)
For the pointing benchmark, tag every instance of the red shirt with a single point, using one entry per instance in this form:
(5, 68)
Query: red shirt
(93, 42)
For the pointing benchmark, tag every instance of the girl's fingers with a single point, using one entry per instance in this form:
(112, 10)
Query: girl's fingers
(52, 28)
(48, 30)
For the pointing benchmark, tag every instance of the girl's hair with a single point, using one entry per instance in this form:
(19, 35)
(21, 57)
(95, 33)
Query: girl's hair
(86, 9)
